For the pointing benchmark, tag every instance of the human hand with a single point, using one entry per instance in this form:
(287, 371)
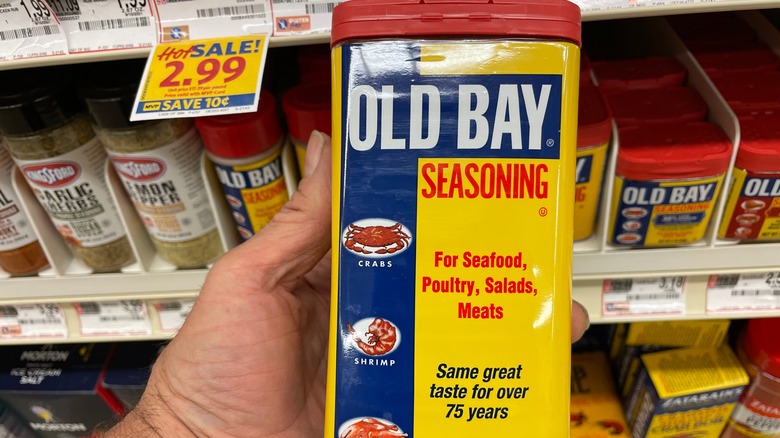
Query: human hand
(250, 361)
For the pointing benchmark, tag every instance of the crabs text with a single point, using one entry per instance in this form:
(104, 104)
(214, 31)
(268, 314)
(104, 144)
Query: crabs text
(485, 180)
(514, 107)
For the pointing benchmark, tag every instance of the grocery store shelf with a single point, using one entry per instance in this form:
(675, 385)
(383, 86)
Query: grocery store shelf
(612, 13)
(690, 7)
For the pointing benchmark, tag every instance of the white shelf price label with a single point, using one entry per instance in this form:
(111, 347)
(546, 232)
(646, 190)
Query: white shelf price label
(643, 296)
(32, 321)
(294, 17)
(743, 292)
(29, 29)
(100, 25)
(172, 313)
(114, 318)
(198, 19)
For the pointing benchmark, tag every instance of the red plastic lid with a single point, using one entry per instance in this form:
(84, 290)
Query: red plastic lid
(762, 344)
(594, 120)
(362, 19)
(759, 145)
(661, 105)
(632, 74)
(749, 58)
(704, 31)
(673, 151)
(585, 68)
(314, 62)
(751, 94)
(242, 135)
(306, 108)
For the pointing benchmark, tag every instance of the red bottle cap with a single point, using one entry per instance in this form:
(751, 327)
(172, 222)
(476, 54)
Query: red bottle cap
(706, 31)
(749, 58)
(306, 108)
(632, 74)
(673, 151)
(361, 19)
(594, 120)
(242, 135)
(661, 105)
(762, 344)
(751, 94)
(759, 144)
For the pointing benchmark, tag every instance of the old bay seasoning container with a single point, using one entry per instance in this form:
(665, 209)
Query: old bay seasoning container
(246, 150)
(159, 164)
(54, 146)
(454, 148)
(667, 181)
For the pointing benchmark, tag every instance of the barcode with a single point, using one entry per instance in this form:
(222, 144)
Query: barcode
(653, 296)
(755, 292)
(28, 32)
(170, 306)
(621, 285)
(320, 8)
(39, 321)
(90, 308)
(727, 280)
(229, 11)
(8, 311)
(121, 318)
(121, 23)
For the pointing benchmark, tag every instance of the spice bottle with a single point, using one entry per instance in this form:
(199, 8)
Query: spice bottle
(158, 163)
(757, 415)
(246, 150)
(52, 142)
(20, 252)
(306, 108)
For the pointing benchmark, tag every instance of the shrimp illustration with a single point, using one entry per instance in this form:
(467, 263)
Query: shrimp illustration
(612, 427)
(379, 339)
(577, 418)
(371, 428)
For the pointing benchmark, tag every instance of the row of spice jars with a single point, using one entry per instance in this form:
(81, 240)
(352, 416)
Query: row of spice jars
(61, 148)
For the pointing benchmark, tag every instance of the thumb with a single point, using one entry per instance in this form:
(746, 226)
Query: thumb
(298, 236)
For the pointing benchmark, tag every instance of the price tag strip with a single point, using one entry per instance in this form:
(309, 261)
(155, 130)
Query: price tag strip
(201, 78)
(99, 25)
(295, 17)
(29, 30)
(643, 296)
(114, 318)
(172, 313)
(32, 321)
(197, 19)
(743, 293)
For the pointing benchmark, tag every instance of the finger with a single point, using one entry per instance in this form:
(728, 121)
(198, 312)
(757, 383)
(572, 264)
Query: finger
(299, 235)
(580, 321)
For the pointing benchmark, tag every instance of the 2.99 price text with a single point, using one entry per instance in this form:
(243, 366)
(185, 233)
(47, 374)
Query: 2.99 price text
(207, 70)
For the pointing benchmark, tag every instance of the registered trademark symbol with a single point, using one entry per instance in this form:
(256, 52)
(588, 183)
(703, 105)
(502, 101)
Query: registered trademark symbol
(543, 212)
(550, 142)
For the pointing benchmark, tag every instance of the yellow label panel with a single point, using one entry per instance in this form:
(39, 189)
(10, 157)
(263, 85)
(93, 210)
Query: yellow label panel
(589, 173)
(596, 411)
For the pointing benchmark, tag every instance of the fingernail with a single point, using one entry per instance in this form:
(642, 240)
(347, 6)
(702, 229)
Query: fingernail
(587, 315)
(313, 152)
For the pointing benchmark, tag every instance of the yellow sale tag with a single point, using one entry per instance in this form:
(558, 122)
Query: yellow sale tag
(202, 77)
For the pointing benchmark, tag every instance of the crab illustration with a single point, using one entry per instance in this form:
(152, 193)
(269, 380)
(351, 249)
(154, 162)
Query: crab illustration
(382, 239)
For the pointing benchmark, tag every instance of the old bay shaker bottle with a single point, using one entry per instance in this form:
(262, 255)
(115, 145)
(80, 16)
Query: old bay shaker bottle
(53, 144)
(454, 142)
(158, 163)
(246, 150)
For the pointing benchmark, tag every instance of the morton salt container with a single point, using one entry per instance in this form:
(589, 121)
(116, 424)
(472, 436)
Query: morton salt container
(454, 148)
(667, 182)
(753, 208)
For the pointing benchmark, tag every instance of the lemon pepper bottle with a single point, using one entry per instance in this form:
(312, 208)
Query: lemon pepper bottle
(158, 163)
